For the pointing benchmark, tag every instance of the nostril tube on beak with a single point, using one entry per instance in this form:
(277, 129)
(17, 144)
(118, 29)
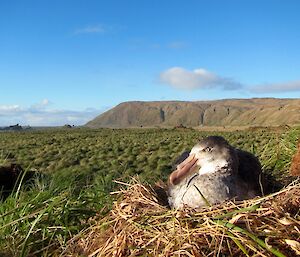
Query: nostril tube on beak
(182, 169)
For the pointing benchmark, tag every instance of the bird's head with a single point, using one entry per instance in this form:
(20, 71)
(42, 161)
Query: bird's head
(206, 156)
(213, 149)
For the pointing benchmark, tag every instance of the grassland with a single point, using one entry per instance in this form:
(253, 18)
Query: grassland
(79, 166)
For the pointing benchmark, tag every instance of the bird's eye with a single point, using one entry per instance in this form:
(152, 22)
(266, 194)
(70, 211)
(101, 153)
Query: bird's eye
(208, 149)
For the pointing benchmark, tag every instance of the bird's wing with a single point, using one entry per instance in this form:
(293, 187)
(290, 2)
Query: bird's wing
(250, 170)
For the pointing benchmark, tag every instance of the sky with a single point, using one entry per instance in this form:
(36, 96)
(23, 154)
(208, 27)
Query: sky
(67, 61)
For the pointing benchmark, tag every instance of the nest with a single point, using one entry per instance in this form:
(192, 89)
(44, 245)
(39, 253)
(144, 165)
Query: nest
(140, 225)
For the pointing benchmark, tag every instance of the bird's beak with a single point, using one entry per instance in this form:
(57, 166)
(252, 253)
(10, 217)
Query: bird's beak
(182, 169)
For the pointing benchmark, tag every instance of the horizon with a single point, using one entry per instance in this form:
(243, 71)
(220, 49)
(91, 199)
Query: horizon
(67, 62)
(138, 101)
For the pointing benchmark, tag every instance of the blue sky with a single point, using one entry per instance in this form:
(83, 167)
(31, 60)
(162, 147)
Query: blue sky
(65, 61)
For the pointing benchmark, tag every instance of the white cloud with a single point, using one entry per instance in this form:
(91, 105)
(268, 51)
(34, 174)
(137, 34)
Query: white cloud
(45, 102)
(177, 45)
(41, 105)
(290, 86)
(9, 108)
(199, 78)
(40, 115)
(98, 28)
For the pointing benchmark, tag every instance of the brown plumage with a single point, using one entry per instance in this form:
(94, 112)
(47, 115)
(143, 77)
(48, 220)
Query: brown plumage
(10, 175)
(295, 166)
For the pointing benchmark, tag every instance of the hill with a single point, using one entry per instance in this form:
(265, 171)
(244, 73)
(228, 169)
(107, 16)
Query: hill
(228, 112)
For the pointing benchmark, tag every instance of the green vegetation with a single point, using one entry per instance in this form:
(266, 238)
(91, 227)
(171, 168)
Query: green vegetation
(79, 167)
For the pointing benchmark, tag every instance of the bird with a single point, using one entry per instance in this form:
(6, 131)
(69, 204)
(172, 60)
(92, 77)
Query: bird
(214, 172)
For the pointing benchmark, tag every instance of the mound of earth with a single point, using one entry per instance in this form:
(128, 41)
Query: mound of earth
(11, 174)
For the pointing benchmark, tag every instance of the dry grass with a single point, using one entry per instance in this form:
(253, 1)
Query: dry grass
(139, 225)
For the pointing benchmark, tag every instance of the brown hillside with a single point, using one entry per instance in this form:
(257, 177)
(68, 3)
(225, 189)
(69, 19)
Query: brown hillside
(228, 112)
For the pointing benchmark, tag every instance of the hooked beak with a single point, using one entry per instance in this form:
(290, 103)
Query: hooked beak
(182, 169)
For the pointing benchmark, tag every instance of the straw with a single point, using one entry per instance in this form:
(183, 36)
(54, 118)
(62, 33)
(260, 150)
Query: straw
(138, 225)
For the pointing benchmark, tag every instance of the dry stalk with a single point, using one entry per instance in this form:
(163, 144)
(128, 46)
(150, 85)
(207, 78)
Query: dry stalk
(139, 225)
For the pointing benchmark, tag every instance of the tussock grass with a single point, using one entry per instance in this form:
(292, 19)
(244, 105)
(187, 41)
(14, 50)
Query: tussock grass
(38, 221)
(4, 158)
(276, 155)
(139, 225)
(61, 213)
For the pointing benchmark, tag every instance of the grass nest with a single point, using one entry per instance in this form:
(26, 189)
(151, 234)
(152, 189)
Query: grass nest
(140, 225)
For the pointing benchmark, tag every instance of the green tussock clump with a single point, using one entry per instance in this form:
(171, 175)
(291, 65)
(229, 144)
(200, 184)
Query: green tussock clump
(276, 156)
(35, 222)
